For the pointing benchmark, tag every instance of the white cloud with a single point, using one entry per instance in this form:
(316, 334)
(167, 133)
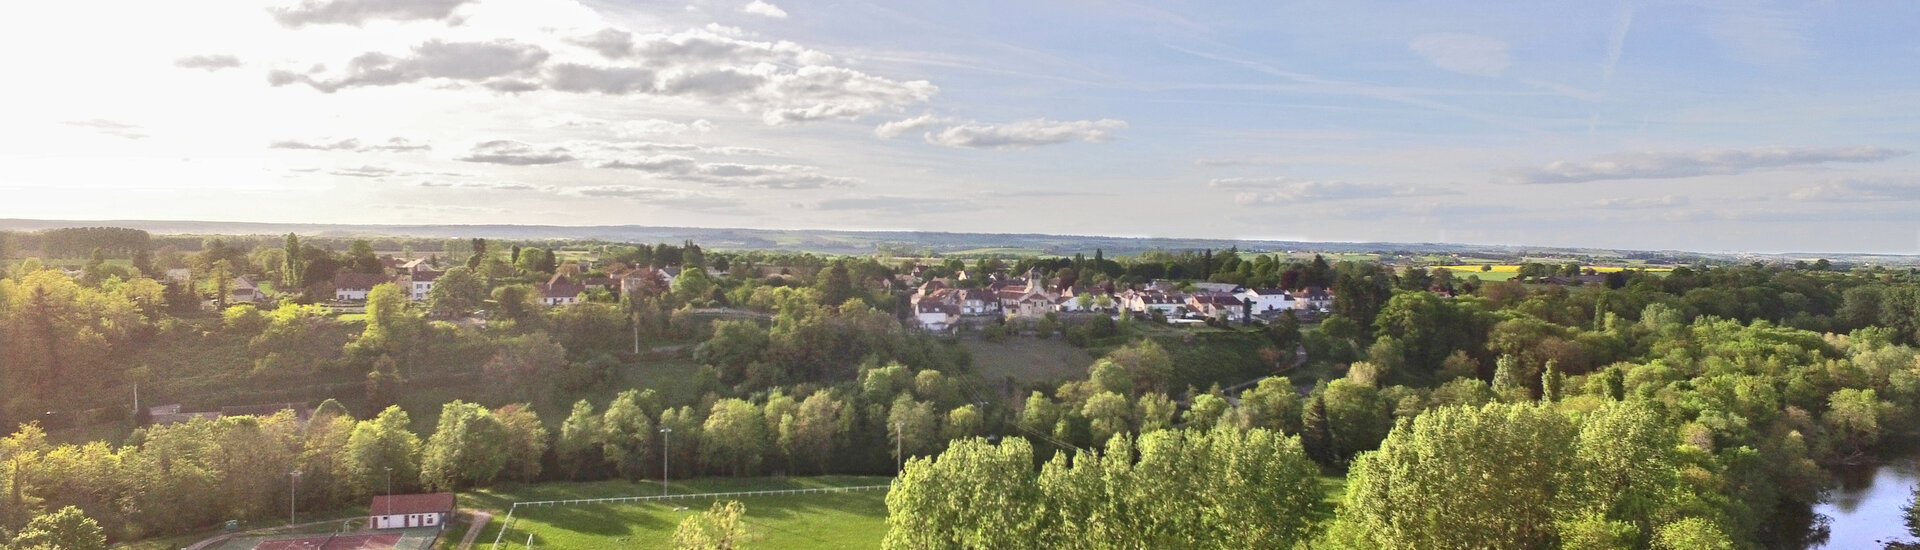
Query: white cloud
(1858, 190)
(727, 174)
(896, 128)
(1463, 53)
(499, 61)
(207, 63)
(1667, 165)
(110, 127)
(1025, 133)
(514, 153)
(781, 81)
(356, 12)
(1667, 201)
(660, 196)
(1283, 190)
(761, 7)
(392, 145)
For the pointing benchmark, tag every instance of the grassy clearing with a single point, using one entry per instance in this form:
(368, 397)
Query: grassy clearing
(779, 522)
(1027, 360)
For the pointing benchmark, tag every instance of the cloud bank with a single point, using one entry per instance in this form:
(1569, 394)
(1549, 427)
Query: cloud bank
(1669, 165)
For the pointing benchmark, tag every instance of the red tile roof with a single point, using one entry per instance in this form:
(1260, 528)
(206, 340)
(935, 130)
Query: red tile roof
(413, 504)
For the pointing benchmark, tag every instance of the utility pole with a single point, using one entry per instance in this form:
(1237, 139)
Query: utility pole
(666, 458)
(293, 496)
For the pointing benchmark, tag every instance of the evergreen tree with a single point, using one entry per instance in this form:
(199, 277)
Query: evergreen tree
(1316, 434)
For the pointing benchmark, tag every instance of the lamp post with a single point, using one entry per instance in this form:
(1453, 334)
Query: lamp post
(293, 498)
(666, 458)
(899, 457)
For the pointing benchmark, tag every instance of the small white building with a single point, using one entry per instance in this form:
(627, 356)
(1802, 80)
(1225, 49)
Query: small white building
(353, 287)
(421, 282)
(1267, 299)
(418, 510)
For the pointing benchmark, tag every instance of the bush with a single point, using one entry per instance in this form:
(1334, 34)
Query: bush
(995, 332)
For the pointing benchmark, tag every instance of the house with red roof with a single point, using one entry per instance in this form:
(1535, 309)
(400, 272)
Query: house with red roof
(403, 511)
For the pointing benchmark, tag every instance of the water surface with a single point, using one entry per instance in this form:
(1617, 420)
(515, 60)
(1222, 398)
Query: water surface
(1864, 511)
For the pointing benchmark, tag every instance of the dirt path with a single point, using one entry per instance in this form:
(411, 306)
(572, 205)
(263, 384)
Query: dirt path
(478, 520)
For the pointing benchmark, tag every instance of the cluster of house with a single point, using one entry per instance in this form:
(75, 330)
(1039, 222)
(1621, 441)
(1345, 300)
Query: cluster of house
(938, 305)
(563, 288)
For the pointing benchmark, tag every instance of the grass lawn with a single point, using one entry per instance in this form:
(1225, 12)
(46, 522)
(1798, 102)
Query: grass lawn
(807, 521)
(1027, 359)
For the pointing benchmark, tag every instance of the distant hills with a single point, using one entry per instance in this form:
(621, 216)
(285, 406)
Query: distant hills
(912, 242)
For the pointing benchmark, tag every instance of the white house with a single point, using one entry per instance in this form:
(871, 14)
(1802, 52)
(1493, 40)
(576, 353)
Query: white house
(936, 317)
(421, 282)
(1313, 298)
(403, 511)
(353, 287)
(560, 291)
(1267, 299)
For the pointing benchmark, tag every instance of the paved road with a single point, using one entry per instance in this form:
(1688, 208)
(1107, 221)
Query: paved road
(478, 519)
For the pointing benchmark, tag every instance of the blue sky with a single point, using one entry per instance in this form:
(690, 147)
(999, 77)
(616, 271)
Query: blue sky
(1712, 126)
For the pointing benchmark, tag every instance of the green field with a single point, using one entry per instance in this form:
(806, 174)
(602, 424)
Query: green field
(855, 519)
(1028, 360)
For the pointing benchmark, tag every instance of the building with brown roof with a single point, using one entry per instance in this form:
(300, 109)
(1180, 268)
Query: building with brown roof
(417, 510)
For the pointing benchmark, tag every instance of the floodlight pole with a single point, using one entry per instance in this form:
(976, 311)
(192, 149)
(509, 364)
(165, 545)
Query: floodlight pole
(899, 457)
(666, 458)
(293, 497)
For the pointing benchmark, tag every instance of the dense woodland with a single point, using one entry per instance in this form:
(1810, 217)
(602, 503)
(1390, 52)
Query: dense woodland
(1719, 393)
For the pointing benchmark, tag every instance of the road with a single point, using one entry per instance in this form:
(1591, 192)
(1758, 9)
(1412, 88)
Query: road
(478, 519)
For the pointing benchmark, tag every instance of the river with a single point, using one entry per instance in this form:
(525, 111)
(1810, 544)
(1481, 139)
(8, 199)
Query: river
(1864, 510)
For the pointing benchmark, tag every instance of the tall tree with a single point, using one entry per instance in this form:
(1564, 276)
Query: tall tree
(576, 449)
(479, 247)
(456, 292)
(526, 441)
(626, 436)
(290, 273)
(381, 446)
(465, 448)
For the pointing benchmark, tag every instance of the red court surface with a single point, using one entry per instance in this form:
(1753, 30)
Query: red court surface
(377, 541)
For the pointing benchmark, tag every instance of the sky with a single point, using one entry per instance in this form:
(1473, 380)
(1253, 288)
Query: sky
(1708, 126)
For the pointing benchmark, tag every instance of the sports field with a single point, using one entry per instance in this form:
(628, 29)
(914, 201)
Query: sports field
(809, 521)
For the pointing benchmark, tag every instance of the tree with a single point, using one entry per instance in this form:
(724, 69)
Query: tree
(464, 450)
(734, 438)
(65, 529)
(1151, 366)
(516, 302)
(1910, 513)
(1406, 495)
(1108, 414)
(1112, 377)
(1854, 416)
(379, 444)
(526, 441)
(1692, 534)
(734, 345)
(456, 292)
(360, 258)
(626, 436)
(722, 527)
(290, 273)
(479, 247)
(818, 428)
(524, 364)
(576, 447)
